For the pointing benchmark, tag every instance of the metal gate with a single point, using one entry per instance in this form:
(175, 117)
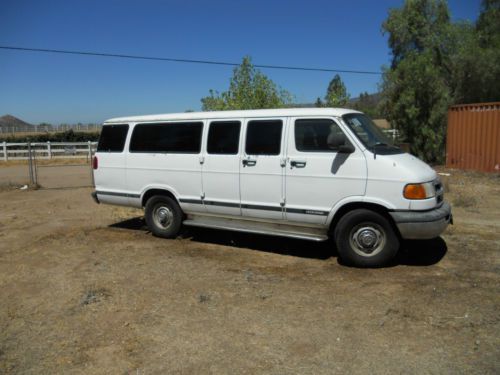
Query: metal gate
(62, 165)
(47, 164)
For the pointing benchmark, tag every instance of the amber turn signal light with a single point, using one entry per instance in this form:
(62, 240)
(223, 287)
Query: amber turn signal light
(415, 191)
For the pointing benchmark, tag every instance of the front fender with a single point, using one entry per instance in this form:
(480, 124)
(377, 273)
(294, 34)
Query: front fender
(359, 200)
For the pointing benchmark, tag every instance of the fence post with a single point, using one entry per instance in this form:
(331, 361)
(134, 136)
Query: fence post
(35, 170)
(90, 151)
(5, 155)
(30, 165)
(49, 150)
(91, 164)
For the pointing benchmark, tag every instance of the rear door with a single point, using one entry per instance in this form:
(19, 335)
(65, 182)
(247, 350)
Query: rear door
(262, 169)
(110, 175)
(317, 175)
(221, 168)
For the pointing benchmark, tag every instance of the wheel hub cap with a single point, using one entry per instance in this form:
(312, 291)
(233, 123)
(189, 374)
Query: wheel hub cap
(367, 239)
(163, 216)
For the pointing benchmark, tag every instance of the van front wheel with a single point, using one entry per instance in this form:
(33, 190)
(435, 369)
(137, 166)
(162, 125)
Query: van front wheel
(163, 216)
(365, 238)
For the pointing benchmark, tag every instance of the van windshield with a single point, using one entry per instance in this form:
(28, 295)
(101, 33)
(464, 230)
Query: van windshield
(370, 135)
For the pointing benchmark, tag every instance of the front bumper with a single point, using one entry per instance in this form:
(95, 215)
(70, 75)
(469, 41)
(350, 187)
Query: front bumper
(423, 225)
(94, 197)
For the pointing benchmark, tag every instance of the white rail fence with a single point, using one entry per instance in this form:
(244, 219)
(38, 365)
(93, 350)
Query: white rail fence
(47, 150)
(393, 133)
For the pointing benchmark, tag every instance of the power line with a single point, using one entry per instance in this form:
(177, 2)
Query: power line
(171, 59)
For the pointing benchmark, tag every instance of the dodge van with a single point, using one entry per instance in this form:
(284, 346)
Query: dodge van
(306, 173)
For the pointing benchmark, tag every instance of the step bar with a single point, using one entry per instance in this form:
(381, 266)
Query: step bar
(242, 225)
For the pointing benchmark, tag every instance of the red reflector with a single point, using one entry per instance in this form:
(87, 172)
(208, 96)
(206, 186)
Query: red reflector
(95, 163)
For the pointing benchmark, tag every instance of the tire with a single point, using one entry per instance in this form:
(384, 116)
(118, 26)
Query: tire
(163, 216)
(365, 238)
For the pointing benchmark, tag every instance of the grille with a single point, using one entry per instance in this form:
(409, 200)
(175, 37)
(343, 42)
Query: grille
(438, 186)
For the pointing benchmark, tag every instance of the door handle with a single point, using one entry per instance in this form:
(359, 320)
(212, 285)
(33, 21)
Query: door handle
(249, 162)
(297, 163)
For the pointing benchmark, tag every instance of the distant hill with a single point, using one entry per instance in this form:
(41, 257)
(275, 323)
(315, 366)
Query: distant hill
(300, 105)
(9, 121)
(365, 99)
(369, 98)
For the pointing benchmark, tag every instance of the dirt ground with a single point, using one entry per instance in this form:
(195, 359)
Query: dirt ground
(86, 289)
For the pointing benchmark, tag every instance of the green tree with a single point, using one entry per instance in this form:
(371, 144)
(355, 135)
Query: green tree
(416, 27)
(319, 103)
(417, 102)
(336, 93)
(248, 89)
(474, 56)
(437, 63)
(488, 23)
(415, 90)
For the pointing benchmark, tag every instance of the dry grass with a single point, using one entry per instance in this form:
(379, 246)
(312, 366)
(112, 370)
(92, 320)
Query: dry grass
(123, 213)
(94, 294)
(79, 161)
(467, 189)
(9, 185)
(465, 200)
(86, 289)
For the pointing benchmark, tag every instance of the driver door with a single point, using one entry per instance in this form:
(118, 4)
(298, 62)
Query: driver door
(317, 176)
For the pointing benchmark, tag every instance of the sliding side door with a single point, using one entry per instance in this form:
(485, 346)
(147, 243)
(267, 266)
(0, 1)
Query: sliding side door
(221, 168)
(262, 169)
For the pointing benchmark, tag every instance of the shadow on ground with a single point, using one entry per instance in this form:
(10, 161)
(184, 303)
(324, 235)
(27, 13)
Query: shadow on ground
(412, 253)
(422, 252)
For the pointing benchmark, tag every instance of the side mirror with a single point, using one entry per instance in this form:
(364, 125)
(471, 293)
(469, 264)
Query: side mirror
(340, 143)
(346, 149)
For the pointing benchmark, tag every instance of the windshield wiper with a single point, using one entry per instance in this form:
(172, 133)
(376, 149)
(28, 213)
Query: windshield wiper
(381, 144)
(374, 148)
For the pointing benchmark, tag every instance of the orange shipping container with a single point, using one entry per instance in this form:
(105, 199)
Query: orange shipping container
(473, 139)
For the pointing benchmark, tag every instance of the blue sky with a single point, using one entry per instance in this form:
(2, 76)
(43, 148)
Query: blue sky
(39, 87)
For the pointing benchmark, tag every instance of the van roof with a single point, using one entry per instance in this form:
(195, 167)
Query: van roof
(235, 114)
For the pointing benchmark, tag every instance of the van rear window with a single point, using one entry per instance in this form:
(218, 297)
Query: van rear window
(112, 138)
(174, 137)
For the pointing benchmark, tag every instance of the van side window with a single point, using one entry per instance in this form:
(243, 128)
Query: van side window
(264, 137)
(112, 138)
(174, 137)
(223, 137)
(316, 135)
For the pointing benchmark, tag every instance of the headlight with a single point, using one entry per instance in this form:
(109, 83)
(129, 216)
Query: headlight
(419, 191)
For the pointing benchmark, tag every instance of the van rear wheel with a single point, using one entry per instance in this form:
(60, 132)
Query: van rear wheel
(365, 238)
(163, 216)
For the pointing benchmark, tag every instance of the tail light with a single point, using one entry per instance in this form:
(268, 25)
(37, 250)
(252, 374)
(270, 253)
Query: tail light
(95, 162)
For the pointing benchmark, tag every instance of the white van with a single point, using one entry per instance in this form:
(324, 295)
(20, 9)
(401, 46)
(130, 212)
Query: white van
(308, 173)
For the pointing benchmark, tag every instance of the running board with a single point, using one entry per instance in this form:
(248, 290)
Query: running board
(283, 230)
